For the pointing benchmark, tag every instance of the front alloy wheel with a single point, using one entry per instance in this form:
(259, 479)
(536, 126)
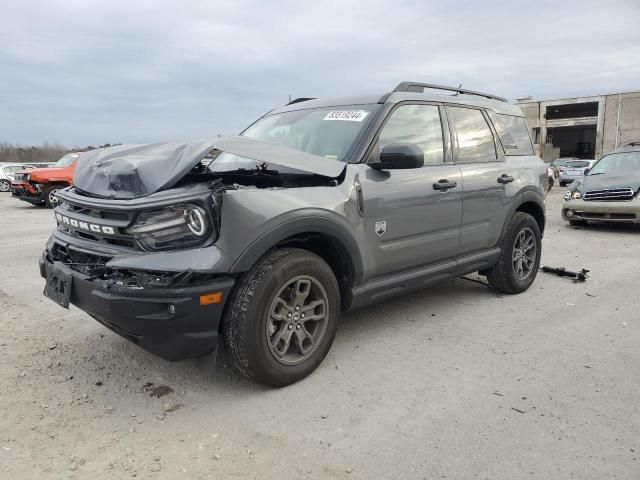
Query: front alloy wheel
(5, 185)
(281, 317)
(297, 320)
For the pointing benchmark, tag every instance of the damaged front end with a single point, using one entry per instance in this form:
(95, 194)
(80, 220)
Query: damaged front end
(135, 241)
(135, 266)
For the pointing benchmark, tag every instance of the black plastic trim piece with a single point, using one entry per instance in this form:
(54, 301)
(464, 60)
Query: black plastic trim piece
(418, 87)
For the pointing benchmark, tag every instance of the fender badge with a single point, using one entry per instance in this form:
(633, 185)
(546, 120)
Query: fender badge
(381, 227)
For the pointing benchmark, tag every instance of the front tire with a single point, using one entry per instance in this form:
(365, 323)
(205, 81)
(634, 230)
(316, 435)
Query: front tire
(282, 316)
(49, 196)
(520, 253)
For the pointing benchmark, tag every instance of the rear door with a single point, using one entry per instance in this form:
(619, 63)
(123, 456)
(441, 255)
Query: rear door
(490, 182)
(410, 220)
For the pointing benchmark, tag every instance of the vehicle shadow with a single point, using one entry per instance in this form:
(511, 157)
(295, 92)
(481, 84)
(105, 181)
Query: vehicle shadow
(615, 228)
(216, 372)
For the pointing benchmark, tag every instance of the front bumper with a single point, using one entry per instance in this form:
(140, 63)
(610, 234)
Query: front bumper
(618, 212)
(25, 191)
(169, 322)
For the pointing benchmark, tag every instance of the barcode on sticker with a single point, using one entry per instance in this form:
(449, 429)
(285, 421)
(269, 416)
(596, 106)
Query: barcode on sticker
(348, 116)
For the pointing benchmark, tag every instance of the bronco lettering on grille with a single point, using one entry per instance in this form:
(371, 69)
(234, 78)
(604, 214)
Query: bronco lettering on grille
(89, 227)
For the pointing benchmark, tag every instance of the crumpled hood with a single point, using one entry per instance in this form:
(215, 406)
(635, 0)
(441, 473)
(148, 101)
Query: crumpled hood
(132, 171)
(605, 182)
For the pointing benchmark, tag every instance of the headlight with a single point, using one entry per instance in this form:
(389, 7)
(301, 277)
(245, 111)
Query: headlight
(177, 226)
(572, 195)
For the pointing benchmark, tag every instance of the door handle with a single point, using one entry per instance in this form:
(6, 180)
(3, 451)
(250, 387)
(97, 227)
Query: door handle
(504, 178)
(444, 185)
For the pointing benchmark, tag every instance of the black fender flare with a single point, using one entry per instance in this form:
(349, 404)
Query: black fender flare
(529, 195)
(304, 223)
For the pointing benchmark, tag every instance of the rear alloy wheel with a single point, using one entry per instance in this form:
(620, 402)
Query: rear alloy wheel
(282, 316)
(520, 253)
(5, 185)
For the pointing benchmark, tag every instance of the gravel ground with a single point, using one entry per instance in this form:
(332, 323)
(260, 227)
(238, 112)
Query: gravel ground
(452, 382)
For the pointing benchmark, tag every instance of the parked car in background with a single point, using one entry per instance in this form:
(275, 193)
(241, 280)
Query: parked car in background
(7, 173)
(609, 191)
(558, 164)
(573, 170)
(39, 186)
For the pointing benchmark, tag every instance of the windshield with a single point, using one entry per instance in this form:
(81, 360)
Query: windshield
(329, 132)
(66, 160)
(577, 164)
(623, 163)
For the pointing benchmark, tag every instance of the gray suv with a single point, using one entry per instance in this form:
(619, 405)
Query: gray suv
(318, 207)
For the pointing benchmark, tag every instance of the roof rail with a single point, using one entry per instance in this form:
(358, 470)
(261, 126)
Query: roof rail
(419, 88)
(300, 99)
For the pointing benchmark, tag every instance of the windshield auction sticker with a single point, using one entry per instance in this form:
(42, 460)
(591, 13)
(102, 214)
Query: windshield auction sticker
(347, 116)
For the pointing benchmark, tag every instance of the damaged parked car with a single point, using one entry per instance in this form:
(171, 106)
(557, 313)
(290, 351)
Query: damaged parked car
(608, 192)
(320, 206)
(39, 186)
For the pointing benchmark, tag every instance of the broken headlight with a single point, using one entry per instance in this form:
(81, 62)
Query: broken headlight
(572, 195)
(177, 226)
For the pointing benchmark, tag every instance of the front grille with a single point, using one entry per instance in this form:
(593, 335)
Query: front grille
(88, 224)
(610, 195)
(606, 216)
(83, 262)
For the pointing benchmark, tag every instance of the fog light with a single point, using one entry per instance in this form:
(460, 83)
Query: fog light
(568, 213)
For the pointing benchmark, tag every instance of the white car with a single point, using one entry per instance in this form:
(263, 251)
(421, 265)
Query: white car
(573, 170)
(7, 171)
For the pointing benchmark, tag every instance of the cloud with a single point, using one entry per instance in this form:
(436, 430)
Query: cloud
(90, 72)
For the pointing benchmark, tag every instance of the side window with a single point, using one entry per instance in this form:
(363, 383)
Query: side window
(513, 133)
(417, 124)
(475, 139)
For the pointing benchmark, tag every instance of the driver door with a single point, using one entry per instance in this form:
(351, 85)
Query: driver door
(410, 220)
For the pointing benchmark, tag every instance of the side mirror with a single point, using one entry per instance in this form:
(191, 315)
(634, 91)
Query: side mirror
(399, 156)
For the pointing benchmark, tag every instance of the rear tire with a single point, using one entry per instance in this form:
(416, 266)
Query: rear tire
(5, 185)
(520, 253)
(263, 325)
(563, 184)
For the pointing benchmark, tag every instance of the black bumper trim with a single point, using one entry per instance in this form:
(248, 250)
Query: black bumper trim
(143, 316)
(26, 196)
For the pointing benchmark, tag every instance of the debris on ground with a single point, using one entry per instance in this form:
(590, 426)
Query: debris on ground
(171, 407)
(580, 276)
(161, 391)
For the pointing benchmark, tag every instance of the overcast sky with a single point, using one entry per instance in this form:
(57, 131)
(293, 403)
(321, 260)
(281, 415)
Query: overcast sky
(89, 72)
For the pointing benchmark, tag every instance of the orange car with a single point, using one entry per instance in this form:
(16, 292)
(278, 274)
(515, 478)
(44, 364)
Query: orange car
(39, 186)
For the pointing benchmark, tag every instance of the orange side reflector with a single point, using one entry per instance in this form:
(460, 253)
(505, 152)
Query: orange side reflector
(211, 298)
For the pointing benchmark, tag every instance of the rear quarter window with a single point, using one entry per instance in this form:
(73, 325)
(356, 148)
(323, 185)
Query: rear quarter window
(513, 133)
